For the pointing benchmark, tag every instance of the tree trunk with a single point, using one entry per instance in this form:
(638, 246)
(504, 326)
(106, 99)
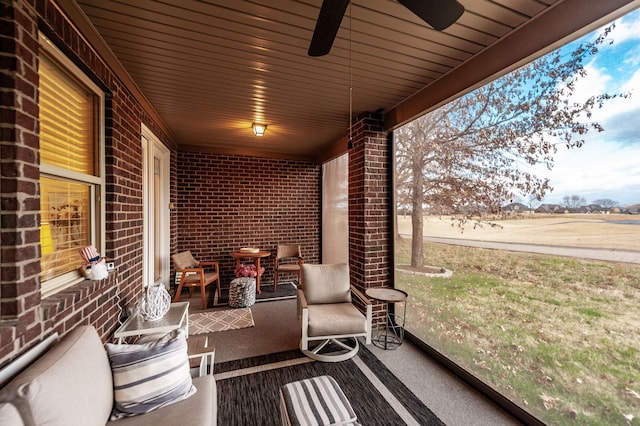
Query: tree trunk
(417, 241)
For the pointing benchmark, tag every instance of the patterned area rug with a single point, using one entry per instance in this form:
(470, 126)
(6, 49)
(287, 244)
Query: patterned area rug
(376, 395)
(227, 319)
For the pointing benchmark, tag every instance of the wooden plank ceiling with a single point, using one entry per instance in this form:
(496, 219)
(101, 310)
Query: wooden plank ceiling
(212, 67)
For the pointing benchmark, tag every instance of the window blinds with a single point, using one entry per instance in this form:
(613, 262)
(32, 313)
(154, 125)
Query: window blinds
(67, 125)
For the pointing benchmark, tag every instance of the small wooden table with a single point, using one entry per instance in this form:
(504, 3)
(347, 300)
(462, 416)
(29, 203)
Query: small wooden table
(135, 325)
(256, 256)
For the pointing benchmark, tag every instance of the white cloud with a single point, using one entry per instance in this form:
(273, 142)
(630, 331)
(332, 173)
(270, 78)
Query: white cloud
(598, 81)
(627, 28)
(608, 165)
(599, 169)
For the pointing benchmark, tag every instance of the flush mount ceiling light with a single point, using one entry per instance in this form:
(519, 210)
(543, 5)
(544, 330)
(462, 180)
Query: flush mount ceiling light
(258, 129)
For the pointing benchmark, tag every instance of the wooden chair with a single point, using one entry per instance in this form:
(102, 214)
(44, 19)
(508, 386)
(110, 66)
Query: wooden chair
(288, 261)
(194, 274)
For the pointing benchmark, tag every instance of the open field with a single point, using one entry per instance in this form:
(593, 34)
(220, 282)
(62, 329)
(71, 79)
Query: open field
(608, 231)
(558, 336)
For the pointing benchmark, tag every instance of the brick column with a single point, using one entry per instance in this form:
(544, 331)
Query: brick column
(19, 173)
(369, 206)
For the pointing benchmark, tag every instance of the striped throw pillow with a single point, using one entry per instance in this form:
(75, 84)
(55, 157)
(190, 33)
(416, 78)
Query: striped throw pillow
(151, 375)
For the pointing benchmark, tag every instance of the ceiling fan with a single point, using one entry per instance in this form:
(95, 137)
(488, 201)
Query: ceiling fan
(440, 14)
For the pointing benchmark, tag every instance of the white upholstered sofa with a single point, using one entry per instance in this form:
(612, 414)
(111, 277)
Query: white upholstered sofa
(72, 384)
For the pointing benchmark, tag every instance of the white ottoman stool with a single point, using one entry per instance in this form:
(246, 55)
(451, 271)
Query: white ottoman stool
(242, 292)
(315, 401)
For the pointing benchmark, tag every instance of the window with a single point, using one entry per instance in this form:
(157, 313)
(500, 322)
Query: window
(335, 210)
(71, 170)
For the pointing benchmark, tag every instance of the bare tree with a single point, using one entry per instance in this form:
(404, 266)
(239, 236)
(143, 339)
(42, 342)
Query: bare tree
(573, 202)
(606, 203)
(532, 200)
(466, 157)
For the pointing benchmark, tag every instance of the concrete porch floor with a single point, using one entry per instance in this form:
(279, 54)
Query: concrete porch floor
(277, 329)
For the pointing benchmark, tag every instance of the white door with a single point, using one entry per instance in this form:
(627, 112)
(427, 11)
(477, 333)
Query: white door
(155, 189)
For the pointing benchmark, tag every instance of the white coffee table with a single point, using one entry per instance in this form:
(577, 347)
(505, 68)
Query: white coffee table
(135, 325)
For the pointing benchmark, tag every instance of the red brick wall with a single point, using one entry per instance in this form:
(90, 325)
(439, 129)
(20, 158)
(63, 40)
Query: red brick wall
(223, 202)
(370, 229)
(19, 176)
(24, 318)
(226, 202)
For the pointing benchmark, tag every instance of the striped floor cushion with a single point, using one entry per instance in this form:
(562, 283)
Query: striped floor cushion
(317, 401)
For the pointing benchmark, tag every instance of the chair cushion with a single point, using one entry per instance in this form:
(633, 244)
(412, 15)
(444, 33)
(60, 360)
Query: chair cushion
(335, 319)
(184, 260)
(318, 401)
(289, 267)
(9, 415)
(199, 409)
(151, 375)
(70, 384)
(326, 283)
(194, 279)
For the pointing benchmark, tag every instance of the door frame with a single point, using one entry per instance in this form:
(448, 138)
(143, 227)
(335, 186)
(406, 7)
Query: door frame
(152, 148)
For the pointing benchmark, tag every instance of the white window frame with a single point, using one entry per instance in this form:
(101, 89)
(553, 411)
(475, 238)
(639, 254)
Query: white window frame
(95, 183)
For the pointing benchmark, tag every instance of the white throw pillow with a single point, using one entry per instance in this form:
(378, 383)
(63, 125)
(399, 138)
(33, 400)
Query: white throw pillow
(151, 375)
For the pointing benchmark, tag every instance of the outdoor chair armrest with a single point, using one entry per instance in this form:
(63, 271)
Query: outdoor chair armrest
(302, 300)
(364, 299)
(207, 358)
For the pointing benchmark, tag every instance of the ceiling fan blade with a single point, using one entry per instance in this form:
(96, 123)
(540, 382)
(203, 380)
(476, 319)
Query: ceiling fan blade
(440, 14)
(327, 25)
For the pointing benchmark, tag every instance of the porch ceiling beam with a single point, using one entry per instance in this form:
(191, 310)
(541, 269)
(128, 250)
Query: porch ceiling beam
(539, 36)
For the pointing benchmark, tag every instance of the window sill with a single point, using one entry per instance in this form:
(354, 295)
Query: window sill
(76, 295)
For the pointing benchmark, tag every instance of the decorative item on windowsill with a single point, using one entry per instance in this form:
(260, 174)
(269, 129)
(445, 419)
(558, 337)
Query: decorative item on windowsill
(95, 267)
(154, 303)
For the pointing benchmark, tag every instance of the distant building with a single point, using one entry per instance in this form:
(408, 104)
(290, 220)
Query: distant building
(596, 208)
(551, 208)
(515, 208)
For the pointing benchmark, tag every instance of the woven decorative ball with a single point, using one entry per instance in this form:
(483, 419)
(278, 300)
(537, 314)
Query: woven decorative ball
(242, 292)
(155, 303)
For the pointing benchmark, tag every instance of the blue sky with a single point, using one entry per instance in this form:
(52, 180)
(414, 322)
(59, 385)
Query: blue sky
(608, 165)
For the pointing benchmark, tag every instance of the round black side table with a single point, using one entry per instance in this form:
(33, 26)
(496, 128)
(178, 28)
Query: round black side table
(391, 335)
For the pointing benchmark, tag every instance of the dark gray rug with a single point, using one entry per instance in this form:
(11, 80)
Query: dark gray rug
(248, 389)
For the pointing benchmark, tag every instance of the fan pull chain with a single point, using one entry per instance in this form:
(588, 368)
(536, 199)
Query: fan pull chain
(350, 143)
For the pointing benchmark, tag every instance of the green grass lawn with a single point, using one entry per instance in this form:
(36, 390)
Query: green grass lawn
(558, 336)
